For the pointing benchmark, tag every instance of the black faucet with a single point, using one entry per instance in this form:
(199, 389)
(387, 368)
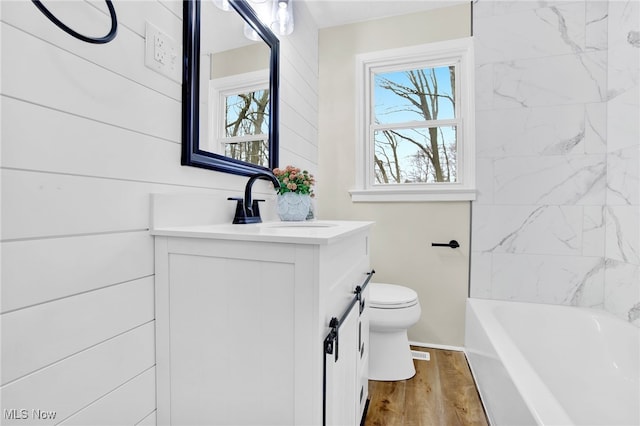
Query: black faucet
(247, 211)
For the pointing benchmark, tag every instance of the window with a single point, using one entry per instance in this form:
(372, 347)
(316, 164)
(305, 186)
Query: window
(415, 131)
(240, 117)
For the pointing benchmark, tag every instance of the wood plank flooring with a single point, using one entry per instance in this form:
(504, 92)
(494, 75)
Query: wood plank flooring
(442, 393)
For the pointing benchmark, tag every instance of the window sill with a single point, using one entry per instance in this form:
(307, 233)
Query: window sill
(379, 195)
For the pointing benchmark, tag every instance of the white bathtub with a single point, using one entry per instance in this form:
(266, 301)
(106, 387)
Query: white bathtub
(553, 365)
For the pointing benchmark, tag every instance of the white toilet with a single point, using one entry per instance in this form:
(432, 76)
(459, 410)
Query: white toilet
(393, 309)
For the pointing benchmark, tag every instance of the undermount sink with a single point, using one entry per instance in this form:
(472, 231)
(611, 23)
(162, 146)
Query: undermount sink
(298, 225)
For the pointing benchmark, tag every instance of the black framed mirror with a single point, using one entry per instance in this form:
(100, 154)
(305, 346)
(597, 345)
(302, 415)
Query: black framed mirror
(229, 89)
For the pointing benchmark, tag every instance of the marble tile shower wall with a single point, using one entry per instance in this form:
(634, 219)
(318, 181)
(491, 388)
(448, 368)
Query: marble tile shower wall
(557, 216)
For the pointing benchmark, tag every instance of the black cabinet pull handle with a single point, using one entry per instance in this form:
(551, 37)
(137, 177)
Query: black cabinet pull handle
(453, 244)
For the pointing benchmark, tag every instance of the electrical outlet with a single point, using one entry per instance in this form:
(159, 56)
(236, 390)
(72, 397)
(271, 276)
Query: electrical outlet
(161, 52)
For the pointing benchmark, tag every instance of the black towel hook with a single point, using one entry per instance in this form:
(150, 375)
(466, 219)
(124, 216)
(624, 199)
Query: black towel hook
(94, 40)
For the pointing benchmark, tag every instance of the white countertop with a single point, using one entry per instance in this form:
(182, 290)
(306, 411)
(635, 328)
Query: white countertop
(308, 232)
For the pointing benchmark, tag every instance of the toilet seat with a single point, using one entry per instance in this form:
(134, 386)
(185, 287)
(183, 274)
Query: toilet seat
(390, 296)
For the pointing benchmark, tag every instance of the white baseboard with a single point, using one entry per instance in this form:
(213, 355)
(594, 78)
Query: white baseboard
(437, 346)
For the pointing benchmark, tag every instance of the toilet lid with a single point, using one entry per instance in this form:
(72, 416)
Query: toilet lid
(390, 295)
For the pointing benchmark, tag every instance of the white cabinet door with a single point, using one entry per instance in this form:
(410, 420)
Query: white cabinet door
(231, 352)
(343, 388)
(363, 355)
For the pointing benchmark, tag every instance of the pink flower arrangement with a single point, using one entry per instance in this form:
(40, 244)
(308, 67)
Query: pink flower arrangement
(292, 179)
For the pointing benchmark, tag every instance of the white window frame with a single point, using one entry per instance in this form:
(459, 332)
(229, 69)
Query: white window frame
(458, 52)
(219, 89)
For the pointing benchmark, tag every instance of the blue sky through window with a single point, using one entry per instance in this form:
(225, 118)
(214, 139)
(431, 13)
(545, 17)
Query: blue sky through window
(392, 110)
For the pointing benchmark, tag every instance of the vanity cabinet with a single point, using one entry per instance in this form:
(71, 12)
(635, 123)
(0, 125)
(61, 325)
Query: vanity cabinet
(242, 312)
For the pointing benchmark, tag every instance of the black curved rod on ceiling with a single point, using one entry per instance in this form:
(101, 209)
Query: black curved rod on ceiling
(94, 40)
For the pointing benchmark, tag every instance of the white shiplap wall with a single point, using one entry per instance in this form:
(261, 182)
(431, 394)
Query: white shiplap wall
(88, 132)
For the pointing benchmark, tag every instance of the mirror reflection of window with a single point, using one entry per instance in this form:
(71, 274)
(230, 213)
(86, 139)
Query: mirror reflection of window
(239, 117)
(246, 127)
(234, 114)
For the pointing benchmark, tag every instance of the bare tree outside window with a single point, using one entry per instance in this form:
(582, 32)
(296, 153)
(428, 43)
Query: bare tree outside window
(415, 128)
(247, 127)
